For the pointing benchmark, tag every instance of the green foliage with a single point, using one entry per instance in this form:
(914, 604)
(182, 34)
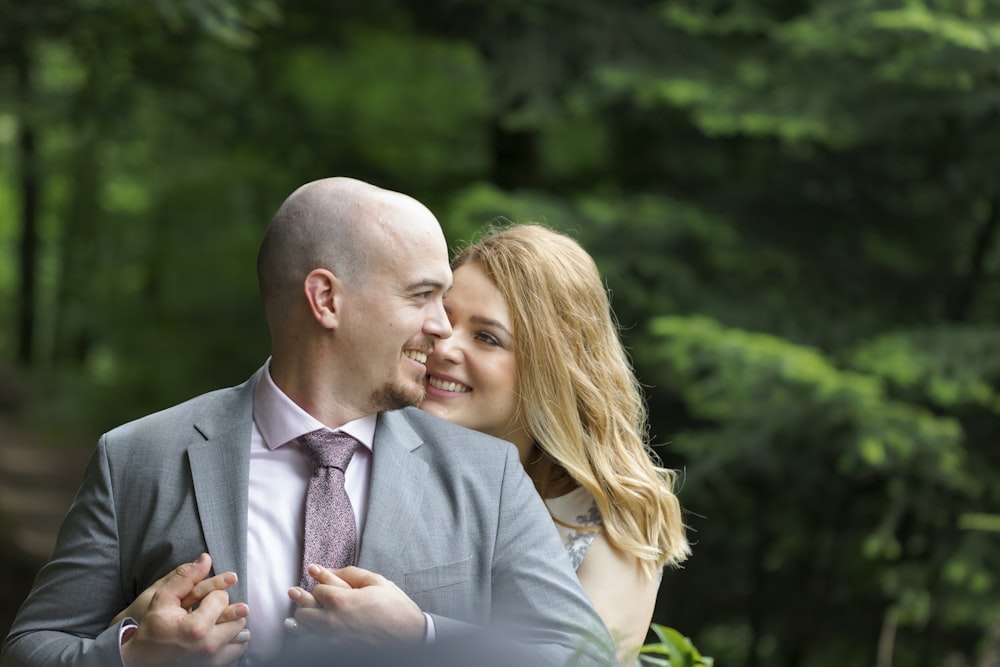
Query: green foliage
(947, 367)
(676, 649)
(780, 435)
(481, 204)
(235, 24)
(792, 204)
(382, 104)
(973, 521)
(815, 73)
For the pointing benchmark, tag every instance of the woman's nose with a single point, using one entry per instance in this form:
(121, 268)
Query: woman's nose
(448, 349)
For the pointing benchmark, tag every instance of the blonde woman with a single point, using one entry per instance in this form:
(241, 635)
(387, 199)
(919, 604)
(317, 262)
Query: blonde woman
(535, 358)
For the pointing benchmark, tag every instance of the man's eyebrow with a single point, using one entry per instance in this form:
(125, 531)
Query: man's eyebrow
(425, 283)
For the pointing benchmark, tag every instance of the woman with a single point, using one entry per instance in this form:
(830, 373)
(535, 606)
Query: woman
(535, 358)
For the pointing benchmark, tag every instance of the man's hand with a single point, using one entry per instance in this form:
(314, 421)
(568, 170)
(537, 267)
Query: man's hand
(356, 605)
(170, 634)
(137, 610)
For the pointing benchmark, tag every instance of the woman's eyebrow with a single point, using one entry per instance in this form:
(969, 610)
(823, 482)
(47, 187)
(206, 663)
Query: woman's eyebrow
(490, 322)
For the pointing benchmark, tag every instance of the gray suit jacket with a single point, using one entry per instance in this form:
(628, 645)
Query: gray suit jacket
(453, 520)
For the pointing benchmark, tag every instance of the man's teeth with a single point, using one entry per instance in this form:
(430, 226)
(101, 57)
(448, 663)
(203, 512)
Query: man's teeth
(447, 386)
(417, 356)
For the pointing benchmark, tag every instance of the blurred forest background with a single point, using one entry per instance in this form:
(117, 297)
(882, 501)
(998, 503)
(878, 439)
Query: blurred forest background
(795, 204)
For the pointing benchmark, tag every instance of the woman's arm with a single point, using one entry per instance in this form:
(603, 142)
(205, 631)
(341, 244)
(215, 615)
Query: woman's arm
(622, 594)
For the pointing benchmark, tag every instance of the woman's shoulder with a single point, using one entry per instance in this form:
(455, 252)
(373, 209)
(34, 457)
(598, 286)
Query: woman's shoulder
(577, 507)
(578, 522)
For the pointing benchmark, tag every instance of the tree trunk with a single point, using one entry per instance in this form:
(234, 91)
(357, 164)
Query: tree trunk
(515, 157)
(887, 639)
(29, 187)
(964, 293)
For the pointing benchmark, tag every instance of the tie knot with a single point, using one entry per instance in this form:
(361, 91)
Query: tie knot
(327, 449)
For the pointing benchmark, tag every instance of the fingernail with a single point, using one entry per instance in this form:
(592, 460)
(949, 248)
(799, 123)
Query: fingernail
(295, 593)
(201, 558)
(242, 636)
(315, 569)
(230, 578)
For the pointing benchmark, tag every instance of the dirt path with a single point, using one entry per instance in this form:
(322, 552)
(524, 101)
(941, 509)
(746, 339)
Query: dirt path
(37, 484)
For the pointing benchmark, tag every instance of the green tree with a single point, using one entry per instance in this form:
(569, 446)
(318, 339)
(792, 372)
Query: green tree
(792, 204)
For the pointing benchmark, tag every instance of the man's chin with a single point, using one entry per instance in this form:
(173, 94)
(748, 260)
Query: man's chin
(396, 396)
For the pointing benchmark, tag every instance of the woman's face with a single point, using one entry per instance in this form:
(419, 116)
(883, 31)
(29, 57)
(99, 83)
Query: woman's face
(471, 376)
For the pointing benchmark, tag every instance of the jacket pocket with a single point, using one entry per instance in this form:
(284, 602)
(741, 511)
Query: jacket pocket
(439, 576)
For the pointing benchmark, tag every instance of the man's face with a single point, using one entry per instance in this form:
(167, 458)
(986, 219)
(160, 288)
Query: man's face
(396, 316)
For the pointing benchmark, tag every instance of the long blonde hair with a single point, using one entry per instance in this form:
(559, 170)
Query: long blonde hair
(577, 391)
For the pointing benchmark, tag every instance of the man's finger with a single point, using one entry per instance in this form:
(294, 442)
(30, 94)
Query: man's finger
(139, 606)
(219, 582)
(303, 598)
(225, 622)
(211, 608)
(326, 576)
(358, 577)
(180, 584)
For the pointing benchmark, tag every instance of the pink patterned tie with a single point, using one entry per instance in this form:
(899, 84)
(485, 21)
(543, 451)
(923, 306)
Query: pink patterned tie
(329, 537)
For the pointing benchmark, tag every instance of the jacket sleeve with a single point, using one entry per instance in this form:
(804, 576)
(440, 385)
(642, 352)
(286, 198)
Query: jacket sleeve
(536, 594)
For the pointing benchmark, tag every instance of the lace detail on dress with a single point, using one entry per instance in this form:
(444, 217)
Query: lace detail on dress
(579, 509)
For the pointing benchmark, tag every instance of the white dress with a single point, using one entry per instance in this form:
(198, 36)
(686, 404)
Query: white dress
(579, 509)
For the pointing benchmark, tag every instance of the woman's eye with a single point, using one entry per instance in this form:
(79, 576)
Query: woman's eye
(487, 338)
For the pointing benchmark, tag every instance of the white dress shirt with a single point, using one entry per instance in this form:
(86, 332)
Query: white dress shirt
(279, 475)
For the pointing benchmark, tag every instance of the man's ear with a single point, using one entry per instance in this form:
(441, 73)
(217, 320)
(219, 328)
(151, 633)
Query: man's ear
(322, 289)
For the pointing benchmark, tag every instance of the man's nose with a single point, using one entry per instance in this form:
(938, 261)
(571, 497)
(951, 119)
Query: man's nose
(437, 324)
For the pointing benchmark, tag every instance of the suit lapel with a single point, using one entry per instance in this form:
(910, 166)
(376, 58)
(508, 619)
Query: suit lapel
(220, 470)
(396, 494)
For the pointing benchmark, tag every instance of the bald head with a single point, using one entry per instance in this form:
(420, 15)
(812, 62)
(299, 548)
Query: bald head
(341, 224)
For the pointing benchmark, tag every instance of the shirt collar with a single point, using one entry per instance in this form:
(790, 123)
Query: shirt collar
(280, 420)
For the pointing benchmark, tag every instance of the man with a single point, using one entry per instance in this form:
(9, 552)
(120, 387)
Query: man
(450, 530)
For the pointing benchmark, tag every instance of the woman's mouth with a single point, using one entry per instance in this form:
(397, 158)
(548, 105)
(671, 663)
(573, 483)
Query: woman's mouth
(448, 385)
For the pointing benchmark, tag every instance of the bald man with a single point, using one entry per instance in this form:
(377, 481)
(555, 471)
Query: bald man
(450, 532)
